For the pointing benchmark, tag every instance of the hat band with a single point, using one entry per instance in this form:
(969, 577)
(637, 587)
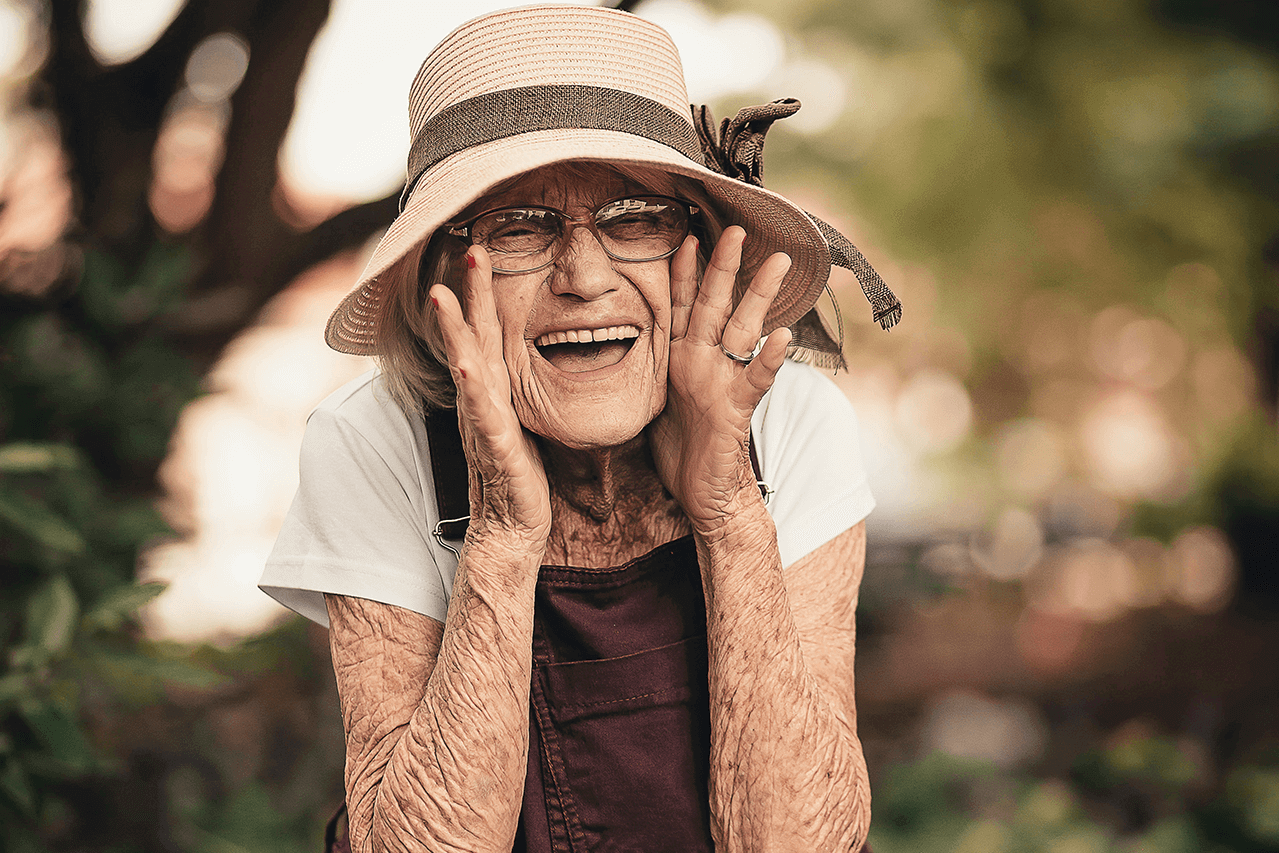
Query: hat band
(510, 112)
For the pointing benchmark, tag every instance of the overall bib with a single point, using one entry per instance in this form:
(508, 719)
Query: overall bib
(619, 726)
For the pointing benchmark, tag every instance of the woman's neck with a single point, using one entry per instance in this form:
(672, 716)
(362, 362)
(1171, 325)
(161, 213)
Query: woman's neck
(608, 505)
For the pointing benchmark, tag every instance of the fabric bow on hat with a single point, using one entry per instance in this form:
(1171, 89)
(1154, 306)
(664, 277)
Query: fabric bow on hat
(737, 150)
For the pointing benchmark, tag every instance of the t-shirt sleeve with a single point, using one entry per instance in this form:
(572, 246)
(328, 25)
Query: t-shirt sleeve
(359, 524)
(807, 443)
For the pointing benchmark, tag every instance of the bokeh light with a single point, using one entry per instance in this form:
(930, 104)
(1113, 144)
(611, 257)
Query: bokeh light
(1006, 733)
(1203, 569)
(933, 411)
(1030, 456)
(15, 36)
(216, 67)
(1131, 448)
(187, 156)
(119, 30)
(1012, 547)
(233, 468)
(1089, 578)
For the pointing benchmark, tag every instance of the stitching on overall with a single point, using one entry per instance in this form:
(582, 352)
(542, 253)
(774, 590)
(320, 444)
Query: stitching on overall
(604, 702)
(553, 758)
(662, 552)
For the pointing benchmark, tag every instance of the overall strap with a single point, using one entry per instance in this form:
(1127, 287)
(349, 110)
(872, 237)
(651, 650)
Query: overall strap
(448, 471)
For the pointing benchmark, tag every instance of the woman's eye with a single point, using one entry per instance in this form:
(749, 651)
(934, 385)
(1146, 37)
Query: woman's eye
(512, 231)
(519, 234)
(641, 226)
(632, 226)
(638, 218)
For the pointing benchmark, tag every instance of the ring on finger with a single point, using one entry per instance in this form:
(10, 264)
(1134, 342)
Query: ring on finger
(743, 359)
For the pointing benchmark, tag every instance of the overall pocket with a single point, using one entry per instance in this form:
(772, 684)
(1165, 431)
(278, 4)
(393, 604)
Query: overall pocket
(630, 743)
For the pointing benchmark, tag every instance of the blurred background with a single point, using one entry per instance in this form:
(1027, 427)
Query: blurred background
(1068, 632)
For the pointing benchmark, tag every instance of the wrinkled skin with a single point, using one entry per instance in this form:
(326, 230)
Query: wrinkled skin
(595, 456)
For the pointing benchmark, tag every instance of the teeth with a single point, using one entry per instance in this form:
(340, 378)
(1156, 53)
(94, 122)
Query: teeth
(585, 336)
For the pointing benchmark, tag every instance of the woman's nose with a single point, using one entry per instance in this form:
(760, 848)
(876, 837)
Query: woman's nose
(584, 269)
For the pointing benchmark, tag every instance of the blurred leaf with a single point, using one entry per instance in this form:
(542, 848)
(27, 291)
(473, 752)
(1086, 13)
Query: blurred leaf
(119, 604)
(117, 298)
(12, 687)
(1049, 805)
(51, 616)
(134, 522)
(918, 807)
(15, 786)
(25, 458)
(1175, 835)
(133, 671)
(250, 823)
(70, 370)
(39, 522)
(153, 383)
(61, 736)
(1254, 794)
(984, 837)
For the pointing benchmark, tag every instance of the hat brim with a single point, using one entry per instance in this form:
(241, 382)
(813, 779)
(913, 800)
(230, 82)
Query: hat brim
(772, 223)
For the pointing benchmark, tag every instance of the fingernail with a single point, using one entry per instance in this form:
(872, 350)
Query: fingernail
(461, 373)
(470, 262)
(435, 302)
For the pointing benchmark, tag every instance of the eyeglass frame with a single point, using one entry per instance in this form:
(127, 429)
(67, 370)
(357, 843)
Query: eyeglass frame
(462, 229)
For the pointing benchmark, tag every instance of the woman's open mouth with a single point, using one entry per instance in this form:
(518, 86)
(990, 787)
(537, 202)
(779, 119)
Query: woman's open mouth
(583, 350)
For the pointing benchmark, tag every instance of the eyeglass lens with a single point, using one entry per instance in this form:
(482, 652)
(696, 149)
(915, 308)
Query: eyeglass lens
(642, 228)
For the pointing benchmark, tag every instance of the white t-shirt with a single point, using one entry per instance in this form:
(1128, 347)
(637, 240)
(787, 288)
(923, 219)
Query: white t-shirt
(361, 522)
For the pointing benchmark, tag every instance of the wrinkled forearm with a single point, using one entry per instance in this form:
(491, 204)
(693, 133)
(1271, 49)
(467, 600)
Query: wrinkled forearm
(787, 770)
(450, 775)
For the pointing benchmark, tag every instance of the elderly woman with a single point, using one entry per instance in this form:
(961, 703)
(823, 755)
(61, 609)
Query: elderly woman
(608, 602)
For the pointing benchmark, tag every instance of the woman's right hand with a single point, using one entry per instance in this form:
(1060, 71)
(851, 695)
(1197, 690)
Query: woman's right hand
(510, 499)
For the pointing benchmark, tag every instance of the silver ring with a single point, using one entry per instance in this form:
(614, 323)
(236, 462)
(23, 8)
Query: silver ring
(741, 359)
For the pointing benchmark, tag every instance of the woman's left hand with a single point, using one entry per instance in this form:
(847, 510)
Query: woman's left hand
(700, 440)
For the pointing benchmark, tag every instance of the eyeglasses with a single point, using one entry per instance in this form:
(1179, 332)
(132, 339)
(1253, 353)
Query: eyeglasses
(531, 238)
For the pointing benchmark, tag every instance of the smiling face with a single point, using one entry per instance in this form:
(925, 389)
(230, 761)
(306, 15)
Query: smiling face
(586, 339)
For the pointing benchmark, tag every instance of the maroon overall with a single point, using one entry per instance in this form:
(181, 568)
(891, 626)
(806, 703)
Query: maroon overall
(619, 721)
(619, 730)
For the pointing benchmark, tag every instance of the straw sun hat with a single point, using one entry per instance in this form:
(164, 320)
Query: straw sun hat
(525, 88)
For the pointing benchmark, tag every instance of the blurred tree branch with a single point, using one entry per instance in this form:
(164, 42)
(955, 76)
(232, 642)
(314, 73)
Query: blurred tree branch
(243, 252)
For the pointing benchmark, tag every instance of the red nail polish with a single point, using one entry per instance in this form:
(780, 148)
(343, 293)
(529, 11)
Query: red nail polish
(435, 302)
(461, 373)
(470, 262)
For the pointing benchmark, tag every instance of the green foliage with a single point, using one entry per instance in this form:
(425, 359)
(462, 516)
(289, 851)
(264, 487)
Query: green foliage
(249, 822)
(69, 629)
(1159, 762)
(940, 804)
(88, 398)
(1252, 795)
(216, 802)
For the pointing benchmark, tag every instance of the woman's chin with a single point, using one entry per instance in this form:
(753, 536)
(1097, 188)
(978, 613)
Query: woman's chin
(594, 419)
(591, 428)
